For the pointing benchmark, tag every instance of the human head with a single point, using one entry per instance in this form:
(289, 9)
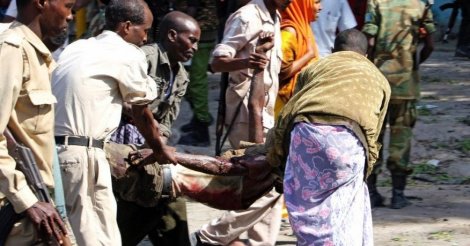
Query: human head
(351, 40)
(281, 4)
(130, 19)
(301, 12)
(47, 18)
(179, 35)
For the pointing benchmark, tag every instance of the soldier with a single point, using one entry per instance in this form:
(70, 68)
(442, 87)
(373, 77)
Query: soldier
(27, 110)
(394, 29)
(197, 129)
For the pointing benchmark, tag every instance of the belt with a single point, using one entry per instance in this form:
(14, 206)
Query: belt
(80, 141)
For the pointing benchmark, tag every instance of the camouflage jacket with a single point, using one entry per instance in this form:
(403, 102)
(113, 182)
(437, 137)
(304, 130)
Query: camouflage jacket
(395, 25)
(166, 106)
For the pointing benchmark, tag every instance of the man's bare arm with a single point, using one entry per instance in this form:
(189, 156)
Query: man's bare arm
(427, 48)
(230, 64)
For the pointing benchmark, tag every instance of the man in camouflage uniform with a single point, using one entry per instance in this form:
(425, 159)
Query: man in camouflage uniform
(205, 12)
(394, 28)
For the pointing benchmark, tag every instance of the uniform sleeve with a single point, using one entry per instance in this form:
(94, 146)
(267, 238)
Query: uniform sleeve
(347, 19)
(135, 85)
(12, 182)
(236, 35)
(371, 22)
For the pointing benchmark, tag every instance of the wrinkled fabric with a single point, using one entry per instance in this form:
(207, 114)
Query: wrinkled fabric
(326, 196)
(298, 15)
(343, 84)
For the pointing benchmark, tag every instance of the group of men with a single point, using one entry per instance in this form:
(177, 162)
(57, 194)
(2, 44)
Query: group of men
(97, 79)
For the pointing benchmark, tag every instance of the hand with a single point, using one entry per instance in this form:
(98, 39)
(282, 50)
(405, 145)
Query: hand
(47, 222)
(265, 42)
(166, 155)
(257, 61)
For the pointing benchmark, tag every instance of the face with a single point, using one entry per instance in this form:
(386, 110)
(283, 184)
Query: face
(137, 33)
(184, 43)
(282, 4)
(56, 14)
(318, 8)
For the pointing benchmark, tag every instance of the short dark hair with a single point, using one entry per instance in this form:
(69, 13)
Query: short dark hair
(118, 11)
(174, 20)
(351, 40)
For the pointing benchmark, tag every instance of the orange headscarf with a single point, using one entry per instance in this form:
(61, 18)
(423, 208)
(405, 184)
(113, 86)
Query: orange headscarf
(298, 15)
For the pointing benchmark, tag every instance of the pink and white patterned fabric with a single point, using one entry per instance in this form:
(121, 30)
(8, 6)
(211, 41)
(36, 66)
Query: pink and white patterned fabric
(326, 196)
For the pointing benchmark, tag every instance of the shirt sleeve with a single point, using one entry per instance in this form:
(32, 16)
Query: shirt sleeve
(135, 85)
(12, 182)
(347, 19)
(236, 35)
(371, 19)
(429, 22)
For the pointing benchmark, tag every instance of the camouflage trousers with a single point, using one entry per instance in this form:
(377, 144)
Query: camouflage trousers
(401, 117)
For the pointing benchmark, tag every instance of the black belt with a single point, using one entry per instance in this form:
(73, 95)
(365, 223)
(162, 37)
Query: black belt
(80, 141)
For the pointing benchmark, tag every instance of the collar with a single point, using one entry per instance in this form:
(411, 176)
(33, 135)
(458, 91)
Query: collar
(264, 12)
(164, 60)
(33, 40)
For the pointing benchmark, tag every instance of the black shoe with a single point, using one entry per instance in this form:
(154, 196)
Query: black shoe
(376, 200)
(199, 137)
(399, 200)
(194, 123)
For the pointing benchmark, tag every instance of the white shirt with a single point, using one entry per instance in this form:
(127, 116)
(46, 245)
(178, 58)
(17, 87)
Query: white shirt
(334, 15)
(93, 79)
(240, 38)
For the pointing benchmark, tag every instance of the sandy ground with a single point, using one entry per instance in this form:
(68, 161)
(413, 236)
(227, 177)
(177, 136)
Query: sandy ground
(440, 186)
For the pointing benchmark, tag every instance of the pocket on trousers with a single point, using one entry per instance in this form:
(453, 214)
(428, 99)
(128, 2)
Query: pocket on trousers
(71, 169)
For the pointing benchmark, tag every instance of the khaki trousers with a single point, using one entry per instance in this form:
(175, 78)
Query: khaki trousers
(89, 197)
(262, 222)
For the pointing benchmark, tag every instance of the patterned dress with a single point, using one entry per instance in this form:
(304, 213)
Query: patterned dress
(324, 188)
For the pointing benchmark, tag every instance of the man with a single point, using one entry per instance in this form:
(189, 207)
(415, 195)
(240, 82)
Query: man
(95, 76)
(335, 15)
(394, 29)
(166, 222)
(197, 130)
(463, 43)
(237, 55)
(27, 111)
(325, 138)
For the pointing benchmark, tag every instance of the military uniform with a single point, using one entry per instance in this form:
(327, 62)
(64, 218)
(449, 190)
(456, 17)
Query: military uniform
(26, 107)
(198, 91)
(395, 25)
(165, 223)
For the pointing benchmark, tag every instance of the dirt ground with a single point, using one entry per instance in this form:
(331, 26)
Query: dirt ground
(440, 185)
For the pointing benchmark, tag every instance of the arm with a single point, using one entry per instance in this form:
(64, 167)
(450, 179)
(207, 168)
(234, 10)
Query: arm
(241, 33)
(148, 127)
(427, 48)
(293, 65)
(370, 48)
(13, 183)
(371, 27)
(257, 93)
(230, 64)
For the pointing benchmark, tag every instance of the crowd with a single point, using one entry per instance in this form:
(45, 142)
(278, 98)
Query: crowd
(308, 88)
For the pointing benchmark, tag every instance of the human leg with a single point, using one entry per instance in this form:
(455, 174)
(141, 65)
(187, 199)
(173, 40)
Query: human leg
(197, 94)
(402, 119)
(232, 224)
(88, 196)
(324, 189)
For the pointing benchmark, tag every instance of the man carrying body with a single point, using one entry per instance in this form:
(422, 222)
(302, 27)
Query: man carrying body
(393, 29)
(27, 110)
(95, 76)
(166, 222)
(237, 55)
